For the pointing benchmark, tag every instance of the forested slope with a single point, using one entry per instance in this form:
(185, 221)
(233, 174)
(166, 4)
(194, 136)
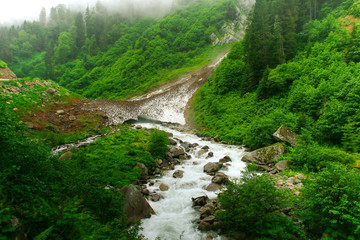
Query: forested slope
(298, 65)
(104, 54)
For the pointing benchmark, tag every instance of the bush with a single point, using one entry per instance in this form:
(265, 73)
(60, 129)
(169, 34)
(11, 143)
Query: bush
(331, 203)
(3, 64)
(252, 206)
(158, 143)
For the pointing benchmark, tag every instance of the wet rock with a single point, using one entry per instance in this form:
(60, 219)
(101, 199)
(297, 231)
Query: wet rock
(163, 187)
(172, 141)
(136, 206)
(285, 134)
(225, 159)
(212, 167)
(282, 165)
(66, 155)
(182, 157)
(52, 91)
(176, 151)
(217, 138)
(185, 144)
(200, 153)
(212, 187)
(209, 219)
(178, 174)
(155, 197)
(143, 170)
(220, 178)
(200, 201)
(210, 155)
(205, 147)
(193, 145)
(204, 226)
(265, 155)
(145, 191)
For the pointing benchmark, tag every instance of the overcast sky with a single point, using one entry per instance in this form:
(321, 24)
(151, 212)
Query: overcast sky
(19, 10)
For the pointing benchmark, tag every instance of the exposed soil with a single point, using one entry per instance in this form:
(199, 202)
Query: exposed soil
(66, 118)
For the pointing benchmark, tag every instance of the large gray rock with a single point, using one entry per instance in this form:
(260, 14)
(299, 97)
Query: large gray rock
(220, 178)
(176, 151)
(282, 165)
(136, 206)
(212, 187)
(265, 155)
(52, 91)
(212, 167)
(178, 174)
(285, 134)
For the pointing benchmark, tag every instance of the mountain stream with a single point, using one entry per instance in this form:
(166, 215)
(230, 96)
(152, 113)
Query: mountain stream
(174, 213)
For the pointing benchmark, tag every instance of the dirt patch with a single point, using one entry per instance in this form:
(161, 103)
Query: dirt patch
(349, 22)
(66, 118)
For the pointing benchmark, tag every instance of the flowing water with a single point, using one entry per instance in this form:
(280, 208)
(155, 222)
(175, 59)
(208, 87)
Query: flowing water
(174, 213)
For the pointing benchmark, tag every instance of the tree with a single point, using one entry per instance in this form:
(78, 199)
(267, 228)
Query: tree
(42, 17)
(80, 31)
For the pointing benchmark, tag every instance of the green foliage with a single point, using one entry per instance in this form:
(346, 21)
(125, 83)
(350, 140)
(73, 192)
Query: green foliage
(67, 199)
(3, 64)
(331, 202)
(158, 144)
(309, 155)
(252, 206)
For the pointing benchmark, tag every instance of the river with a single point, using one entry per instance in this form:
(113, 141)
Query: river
(174, 213)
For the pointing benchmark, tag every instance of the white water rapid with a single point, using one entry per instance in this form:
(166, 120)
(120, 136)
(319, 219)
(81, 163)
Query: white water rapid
(174, 213)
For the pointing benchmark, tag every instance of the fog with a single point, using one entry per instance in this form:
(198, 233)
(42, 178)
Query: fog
(16, 11)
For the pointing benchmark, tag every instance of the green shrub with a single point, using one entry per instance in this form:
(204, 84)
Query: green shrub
(252, 206)
(158, 143)
(3, 64)
(331, 203)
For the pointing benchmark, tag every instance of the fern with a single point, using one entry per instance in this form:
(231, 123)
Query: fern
(45, 234)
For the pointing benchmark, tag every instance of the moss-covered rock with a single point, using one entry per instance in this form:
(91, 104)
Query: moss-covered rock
(266, 155)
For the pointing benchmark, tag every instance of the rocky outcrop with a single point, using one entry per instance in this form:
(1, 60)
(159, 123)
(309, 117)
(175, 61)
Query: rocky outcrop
(266, 155)
(136, 206)
(285, 134)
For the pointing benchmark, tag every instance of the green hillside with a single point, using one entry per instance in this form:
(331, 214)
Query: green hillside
(104, 55)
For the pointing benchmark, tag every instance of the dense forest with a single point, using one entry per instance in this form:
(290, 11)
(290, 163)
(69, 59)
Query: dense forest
(104, 54)
(298, 65)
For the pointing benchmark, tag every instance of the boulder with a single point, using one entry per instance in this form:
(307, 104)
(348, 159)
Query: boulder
(178, 174)
(66, 155)
(136, 206)
(205, 147)
(200, 201)
(266, 155)
(163, 187)
(200, 152)
(209, 219)
(225, 159)
(210, 155)
(220, 178)
(204, 226)
(172, 141)
(282, 165)
(212, 187)
(176, 151)
(138, 127)
(212, 167)
(143, 170)
(52, 91)
(285, 134)
(155, 197)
